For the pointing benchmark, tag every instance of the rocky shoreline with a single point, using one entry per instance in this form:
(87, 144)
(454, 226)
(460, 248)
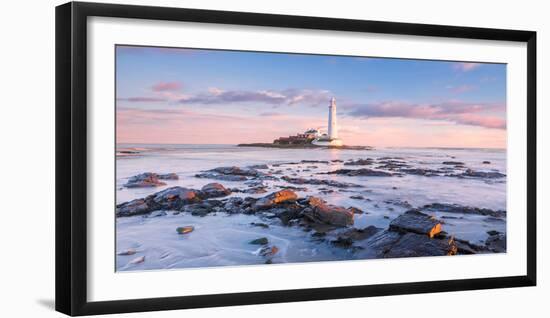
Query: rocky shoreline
(414, 232)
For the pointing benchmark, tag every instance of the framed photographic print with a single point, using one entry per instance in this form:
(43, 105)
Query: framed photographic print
(209, 158)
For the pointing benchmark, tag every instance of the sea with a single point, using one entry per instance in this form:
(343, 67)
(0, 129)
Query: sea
(220, 239)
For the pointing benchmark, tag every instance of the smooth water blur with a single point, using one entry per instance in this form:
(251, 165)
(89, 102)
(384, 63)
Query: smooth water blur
(222, 240)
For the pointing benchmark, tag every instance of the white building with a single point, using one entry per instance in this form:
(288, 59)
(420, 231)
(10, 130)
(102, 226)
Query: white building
(330, 139)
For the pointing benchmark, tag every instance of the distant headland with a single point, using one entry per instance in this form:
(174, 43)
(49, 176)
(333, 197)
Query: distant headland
(312, 138)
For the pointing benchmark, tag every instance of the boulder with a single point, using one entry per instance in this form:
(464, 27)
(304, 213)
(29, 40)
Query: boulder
(214, 190)
(174, 198)
(496, 243)
(143, 180)
(259, 241)
(415, 245)
(169, 199)
(321, 212)
(275, 198)
(185, 229)
(202, 208)
(134, 207)
(416, 222)
(168, 176)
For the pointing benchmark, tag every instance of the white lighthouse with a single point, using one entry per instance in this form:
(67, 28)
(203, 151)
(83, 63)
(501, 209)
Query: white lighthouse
(332, 124)
(331, 138)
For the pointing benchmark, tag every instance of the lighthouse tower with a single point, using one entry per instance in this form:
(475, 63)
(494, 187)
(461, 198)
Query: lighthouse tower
(332, 124)
(330, 139)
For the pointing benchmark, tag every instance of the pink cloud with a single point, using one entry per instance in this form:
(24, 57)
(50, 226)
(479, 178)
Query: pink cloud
(465, 66)
(474, 114)
(166, 86)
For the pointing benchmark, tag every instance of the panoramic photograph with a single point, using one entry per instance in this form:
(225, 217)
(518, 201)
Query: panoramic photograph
(235, 158)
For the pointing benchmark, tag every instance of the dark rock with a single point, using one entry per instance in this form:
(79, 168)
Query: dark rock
(359, 162)
(314, 161)
(354, 234)
(453, 163)
(214, 190)
(355, 210)
(479, 174)
(155, 214)
(259, 224)
(230, 173)
(252, 190)
(268, 251)
(275, 198)
(496, 243)
(202, 208)
(233, 205)
(293, 188)
(321, 212)
(421, 172)
(455, 208)
(357, 197)
(169, 199)
(146, 179)
(259, 167)
(286, 212)
(259, 241)
(222, 177)
(185, 229)
(493, 232)
(361, 172)
(415, 245)
(168, 176)
(486, 162)
(134, 207)
(404, 204)
(173, 198)
(331, 183)
(342, 242)
(416, 222)
(391, 158)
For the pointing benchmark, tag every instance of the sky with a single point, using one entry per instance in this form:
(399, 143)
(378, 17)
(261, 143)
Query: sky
(194, 96)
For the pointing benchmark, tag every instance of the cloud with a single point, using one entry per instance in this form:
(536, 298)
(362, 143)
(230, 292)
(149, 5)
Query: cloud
(272, 97)
(166, 87)
(452, 111)
(142, 99)
(466, 67)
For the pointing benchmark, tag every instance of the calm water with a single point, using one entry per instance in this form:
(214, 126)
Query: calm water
(223, 240)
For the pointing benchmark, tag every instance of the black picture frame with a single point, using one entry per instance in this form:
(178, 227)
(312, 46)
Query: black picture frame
(71, 157)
